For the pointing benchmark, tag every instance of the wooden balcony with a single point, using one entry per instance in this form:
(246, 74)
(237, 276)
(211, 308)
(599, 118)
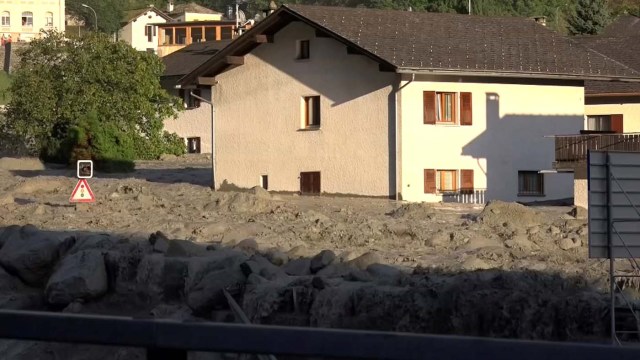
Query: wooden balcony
(571, 150)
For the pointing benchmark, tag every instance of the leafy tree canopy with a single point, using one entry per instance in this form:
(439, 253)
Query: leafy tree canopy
(109, 13)
(73, 78)
(590, 17)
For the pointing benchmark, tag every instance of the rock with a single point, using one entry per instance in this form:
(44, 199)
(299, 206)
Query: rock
(322, 260)
(90, 241)
(277, 257)
(40, 209)
(533, 230)
(159, 241)
(381, 270)
(185, 248)
(521, 242)
(168, 157)
(318, 283)
(15, 295)
(31, 254)
(6, 199)
(569, 243)
(358, 275)
(298, 252)
(335, 270)
(199, 267)
(207, 293)
(9, 232)
(473, 263)
(74, 308)
(80, 276)
(261, 266)
(249, 246)
(366, 259)
(260, 192)
(149, 275)
(579, 212)
(347, 256)
(554, 230)
(298, 267)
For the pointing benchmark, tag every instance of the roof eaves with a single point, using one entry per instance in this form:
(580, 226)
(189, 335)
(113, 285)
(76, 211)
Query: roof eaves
(515, 74)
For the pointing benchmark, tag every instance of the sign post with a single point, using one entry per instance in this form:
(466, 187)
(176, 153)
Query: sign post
(82, 192)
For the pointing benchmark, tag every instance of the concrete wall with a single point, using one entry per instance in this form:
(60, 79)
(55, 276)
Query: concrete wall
(133, 33)
(628, 107)
(259, 118)
(581, 193)
(193, 123)
(510, 122)
(39, 9)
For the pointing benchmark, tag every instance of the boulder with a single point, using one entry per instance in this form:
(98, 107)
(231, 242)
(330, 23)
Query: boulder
(82, 275)
(569, 243)
(249, 245)
(207, 293)
(90, 241)
(298, 267)
(31, 254)
(199, 267)
(363, 261)
(297, 252)
(150, 275)
(159, 241)
(322, 260)
(14, 295)
(277, 257)
(262, 267)
(185, 248)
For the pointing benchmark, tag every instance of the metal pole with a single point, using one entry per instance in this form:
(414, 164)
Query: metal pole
(469, 7)
(94, 14)
(612, 284)
(213, 136)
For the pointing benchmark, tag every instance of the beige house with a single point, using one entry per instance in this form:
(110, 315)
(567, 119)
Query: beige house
(140, 30)
(612, 109)
(192, 12)
(24, 20)
(408, 105)
(194, 123)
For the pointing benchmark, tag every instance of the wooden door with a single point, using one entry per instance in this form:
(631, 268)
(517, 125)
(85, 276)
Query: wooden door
(310, 182)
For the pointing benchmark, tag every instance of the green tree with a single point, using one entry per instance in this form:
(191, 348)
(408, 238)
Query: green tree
(590, 17)
(58, 82)
(109, 13)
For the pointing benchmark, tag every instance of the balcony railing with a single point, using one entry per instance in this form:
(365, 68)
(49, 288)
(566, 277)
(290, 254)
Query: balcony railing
(574, 148)
(475, 196)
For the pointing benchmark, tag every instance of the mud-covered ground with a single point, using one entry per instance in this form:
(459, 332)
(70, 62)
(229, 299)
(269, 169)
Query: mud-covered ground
(503, 270)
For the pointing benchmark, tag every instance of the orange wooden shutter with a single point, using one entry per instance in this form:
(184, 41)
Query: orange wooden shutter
(466, 113)
(429, 181)
(466, 181)
(429, 105)
(616, 124)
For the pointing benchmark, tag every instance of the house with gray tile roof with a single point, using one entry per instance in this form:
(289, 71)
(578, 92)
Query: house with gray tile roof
(409, 105)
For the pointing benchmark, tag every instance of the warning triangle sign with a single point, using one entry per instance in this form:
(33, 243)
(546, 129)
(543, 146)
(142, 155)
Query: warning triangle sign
(82, 192)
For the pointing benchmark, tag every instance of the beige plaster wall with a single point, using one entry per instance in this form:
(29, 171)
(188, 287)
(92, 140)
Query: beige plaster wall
(193, 123)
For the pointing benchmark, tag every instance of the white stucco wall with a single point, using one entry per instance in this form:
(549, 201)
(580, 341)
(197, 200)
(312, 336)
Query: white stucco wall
(630, 113)
(259, 116)
(507, 135)
(193, 123)
(581, 193)
(133, 32)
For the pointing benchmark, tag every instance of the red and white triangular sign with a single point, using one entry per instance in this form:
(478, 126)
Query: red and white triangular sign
(82, 193)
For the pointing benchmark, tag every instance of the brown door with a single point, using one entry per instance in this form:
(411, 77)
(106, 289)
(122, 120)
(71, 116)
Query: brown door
(310, 182)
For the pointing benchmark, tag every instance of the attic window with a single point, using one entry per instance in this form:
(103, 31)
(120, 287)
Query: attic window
(302, 49)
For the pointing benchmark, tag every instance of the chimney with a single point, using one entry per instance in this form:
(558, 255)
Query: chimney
(170, 6)
(542, 20)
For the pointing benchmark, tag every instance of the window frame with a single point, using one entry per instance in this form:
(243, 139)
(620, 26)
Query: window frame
(440, 173)
(6, 15)
(599, 120)
(48, 19)
(303, 49)
(311, 102)
(526, 192)
(440, 101)
(26, 15)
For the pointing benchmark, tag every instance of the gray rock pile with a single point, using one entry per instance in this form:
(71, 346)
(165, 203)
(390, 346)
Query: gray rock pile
(174, 278)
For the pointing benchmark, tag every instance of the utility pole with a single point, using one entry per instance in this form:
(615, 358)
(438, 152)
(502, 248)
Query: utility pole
(469, 7)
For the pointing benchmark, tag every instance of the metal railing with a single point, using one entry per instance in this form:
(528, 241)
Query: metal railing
(475, 196)
(166, 339)
(574, 148)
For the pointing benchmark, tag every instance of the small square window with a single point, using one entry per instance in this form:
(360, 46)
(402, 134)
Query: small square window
(311, 111)
(447, 181)
(530, 183)
(302, 49)
(193, 145)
